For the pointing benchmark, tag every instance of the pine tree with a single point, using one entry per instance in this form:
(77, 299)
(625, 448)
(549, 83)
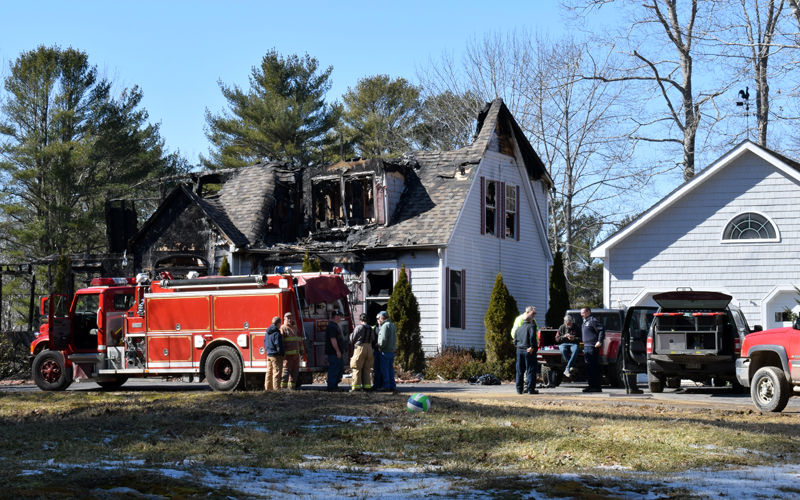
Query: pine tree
(66, 146)
(311, 265)
(224, 268)
(403, 310)
(283, 116)
(559, 295)
(498, 322)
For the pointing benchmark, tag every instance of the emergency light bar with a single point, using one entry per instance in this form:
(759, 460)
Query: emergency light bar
(112, 281)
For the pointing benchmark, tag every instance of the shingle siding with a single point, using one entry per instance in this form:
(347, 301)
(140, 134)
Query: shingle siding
(681, 247)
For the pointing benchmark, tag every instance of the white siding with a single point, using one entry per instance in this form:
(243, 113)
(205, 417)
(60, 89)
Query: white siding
(681, 246)
(522, 263)
(425, 284)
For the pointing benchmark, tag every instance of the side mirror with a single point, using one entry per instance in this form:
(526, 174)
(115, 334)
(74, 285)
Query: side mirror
(758, 328)
(796, 324)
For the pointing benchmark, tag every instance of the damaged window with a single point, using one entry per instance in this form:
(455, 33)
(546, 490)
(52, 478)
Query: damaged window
(359, 201)
(491, 205)
(358, 206)
(379, 285)
(511, 211)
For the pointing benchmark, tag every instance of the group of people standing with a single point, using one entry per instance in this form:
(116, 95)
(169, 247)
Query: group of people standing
(374, 350)
(526, 340)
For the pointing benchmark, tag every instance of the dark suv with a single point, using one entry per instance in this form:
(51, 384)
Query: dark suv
(696, 336)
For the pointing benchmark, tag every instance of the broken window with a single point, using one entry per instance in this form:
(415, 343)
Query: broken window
(359, 201)
(328, 203)
(379, 285)
(511, 211)
(491, 206)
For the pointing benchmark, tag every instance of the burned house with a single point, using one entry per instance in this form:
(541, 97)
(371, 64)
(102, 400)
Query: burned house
(454, 218)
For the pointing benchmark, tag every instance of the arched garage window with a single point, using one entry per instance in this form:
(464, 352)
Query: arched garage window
(750, 226)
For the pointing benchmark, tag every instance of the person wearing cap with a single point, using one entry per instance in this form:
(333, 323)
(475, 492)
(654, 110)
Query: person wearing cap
(387, 343)
(294, 348)
(273, 343)
(361, 363)
(334, 344)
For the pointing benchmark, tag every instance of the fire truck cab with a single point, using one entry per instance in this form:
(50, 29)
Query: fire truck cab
(209, 328)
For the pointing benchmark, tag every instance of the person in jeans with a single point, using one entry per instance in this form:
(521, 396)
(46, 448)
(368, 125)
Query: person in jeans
(361, 362)
(593, 334)
(273, 344)
(568, 338)
(387, 343)
(527, 344)
(334, 342)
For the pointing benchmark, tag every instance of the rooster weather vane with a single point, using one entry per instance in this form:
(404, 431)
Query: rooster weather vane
(744, 101)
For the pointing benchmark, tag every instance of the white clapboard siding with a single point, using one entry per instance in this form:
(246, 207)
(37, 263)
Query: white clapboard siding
(425, 284)
(681, 247)
(522, 263)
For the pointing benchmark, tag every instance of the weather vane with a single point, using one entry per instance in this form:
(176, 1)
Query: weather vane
(744, 100)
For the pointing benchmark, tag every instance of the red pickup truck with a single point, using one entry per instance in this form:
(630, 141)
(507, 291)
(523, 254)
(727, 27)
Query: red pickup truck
(769, 366)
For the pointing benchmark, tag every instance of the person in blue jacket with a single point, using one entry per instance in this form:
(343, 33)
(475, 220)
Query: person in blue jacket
(273, 344)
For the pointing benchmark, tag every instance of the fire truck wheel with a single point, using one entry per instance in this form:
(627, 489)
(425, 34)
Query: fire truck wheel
(223, 369)
(113, 385)
(49, 373)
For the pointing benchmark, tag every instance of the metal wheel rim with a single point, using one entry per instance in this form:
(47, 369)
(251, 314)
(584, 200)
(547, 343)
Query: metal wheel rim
(50, 371)
(766, 390)
(223, 369)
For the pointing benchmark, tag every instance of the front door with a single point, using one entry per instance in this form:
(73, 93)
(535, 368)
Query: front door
(634, 337)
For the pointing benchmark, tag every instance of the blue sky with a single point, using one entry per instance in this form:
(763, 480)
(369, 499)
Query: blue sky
(176, 51)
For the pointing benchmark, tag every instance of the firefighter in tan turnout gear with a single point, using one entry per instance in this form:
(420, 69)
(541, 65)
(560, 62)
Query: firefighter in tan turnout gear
(293, 347)
(363, 338)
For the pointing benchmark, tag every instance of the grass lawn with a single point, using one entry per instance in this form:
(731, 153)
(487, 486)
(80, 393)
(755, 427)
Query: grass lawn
(481, 440)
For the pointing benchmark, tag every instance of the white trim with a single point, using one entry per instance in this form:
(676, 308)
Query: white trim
(606, 284)
(776, 239)
(601, 251)
(442, 296)
(764, 308)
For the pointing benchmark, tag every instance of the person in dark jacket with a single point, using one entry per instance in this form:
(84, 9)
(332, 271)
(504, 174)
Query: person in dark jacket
(527, 345)
(593, 335)
(273, 344)
(334, 349)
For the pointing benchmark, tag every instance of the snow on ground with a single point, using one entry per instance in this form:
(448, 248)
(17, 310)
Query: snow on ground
(780, 481)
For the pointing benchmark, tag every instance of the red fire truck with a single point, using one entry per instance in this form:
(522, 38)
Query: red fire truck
(209, 328)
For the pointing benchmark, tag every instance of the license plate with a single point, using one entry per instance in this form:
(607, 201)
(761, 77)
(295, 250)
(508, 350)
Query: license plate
(693, 366)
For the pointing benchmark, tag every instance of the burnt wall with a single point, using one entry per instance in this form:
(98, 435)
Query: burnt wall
(182, 228)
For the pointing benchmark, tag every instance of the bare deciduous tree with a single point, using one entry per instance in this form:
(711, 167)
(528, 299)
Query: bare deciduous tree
(660, 37)
(580, 127)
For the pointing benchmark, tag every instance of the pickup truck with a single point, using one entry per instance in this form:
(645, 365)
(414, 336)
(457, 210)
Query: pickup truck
(697, 336)
(769, 366)
(615, 321)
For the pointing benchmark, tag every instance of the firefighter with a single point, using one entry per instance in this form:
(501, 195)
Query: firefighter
(361, 363)
(293, 349)
(273, 343)
(334, 349)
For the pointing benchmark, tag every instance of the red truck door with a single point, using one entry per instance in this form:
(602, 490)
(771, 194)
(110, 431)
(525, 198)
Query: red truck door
(58, 322)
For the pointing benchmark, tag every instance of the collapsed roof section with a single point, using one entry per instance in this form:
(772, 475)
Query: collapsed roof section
(355, 205)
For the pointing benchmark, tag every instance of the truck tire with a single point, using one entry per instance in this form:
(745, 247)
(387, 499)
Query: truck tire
(551, 376)
(769, 389)
(615, 373)
(113, 385)
(223, 369)
(673, 382)
(49, 373)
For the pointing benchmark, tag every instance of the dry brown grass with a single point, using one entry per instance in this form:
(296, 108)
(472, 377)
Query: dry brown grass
(475, 438)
